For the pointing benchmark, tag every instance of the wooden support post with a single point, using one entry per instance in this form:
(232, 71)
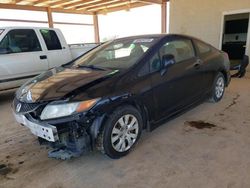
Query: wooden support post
(50, 18)
(164, 16)
(96, 28)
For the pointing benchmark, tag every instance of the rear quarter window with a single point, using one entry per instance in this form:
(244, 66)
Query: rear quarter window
(51, 39)
(202, 47)
(181, 49)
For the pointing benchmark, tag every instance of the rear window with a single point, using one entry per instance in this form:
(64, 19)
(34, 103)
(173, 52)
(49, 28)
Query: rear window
(1, 31)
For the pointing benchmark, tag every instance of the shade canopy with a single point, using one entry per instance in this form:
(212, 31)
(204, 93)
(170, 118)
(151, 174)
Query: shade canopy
(77, 6)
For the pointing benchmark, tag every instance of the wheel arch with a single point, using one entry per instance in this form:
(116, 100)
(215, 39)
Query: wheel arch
(224, 74)
(99, 122)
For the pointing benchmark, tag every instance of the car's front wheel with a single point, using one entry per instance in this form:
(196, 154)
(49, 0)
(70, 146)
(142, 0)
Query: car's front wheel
(121, 131)
(218, 88)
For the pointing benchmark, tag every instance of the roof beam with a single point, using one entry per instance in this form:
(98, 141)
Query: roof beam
(17, 1)
(71, 11)
(39, 8)
(110, 4)
(58, 3)
(102, 2)
(38, 2)
(78, 3)
(21, 7)
(152, 1)
(119, 8)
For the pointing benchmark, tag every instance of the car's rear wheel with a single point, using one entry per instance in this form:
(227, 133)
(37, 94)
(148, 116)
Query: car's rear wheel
(121, 132)
(218, 88)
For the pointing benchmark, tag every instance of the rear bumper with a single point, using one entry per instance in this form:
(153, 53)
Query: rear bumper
(45, 131)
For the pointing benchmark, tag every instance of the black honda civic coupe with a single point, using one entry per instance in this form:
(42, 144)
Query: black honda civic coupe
(105, 98)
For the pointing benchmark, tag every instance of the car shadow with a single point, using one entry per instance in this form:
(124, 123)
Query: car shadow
(7, 96)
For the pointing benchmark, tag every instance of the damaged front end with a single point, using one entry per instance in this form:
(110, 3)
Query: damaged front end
(73, 141)
(69, 136)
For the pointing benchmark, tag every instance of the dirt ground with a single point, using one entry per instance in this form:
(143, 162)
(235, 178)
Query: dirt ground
(184, 152)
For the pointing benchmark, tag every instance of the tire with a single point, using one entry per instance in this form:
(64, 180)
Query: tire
(218, 88)
(116, 140)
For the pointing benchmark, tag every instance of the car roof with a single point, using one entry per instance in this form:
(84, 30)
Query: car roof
(157, 36)
(25, 27)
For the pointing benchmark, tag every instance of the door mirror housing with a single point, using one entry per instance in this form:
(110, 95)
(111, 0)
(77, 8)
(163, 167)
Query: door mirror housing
(168, 60)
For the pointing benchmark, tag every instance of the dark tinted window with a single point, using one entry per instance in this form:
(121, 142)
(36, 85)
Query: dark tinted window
(51, 39)
(202, 48)
(20, 40)
(180, 49)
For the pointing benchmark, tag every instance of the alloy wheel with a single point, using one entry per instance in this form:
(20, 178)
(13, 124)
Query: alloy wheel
(219, 88)
(125, 133)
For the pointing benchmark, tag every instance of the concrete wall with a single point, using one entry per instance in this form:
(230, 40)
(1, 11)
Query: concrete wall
(203, 18)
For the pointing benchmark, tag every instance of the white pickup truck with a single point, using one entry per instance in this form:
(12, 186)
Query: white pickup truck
(27, 51)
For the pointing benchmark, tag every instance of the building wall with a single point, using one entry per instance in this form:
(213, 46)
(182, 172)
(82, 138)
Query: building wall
(203, 19)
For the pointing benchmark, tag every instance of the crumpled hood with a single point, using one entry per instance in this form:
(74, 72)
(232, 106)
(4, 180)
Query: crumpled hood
(58, 82)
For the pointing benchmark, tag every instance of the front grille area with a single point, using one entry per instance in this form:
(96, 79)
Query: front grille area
(24, 107)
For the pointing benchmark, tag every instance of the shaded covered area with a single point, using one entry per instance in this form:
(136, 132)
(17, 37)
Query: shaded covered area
(87, 7)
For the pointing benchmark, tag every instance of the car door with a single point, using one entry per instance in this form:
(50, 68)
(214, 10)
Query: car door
(23, 57)
(207, 57)
(177, 85)
(57, 53)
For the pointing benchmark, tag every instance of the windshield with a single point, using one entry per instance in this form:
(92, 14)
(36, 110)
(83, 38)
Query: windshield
(1, 31)
(117, 54)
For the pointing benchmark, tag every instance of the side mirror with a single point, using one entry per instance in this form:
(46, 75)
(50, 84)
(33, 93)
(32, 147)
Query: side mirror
(4, 51)
(168, 60)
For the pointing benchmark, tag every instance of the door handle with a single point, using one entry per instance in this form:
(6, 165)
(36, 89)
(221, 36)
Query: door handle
(197, 64)
(43, 57)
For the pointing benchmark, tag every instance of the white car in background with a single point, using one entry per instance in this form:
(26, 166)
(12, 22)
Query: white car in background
(28, 51)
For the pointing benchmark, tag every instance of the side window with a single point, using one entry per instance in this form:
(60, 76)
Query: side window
(202, 47)
(180, 49)
(51, 40)
(20, 40)
(152, 65)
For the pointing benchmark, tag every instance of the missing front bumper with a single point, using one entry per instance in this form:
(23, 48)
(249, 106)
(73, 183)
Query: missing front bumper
(45, 131)
(71, 142)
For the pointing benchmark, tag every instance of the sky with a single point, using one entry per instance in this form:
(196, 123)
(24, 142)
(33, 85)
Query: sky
(143, 20)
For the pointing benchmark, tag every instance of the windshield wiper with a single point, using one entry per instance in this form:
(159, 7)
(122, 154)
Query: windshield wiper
(90, 67)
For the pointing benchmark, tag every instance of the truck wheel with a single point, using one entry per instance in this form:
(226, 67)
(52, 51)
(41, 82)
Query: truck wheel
(121, 132)
(218, 88)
